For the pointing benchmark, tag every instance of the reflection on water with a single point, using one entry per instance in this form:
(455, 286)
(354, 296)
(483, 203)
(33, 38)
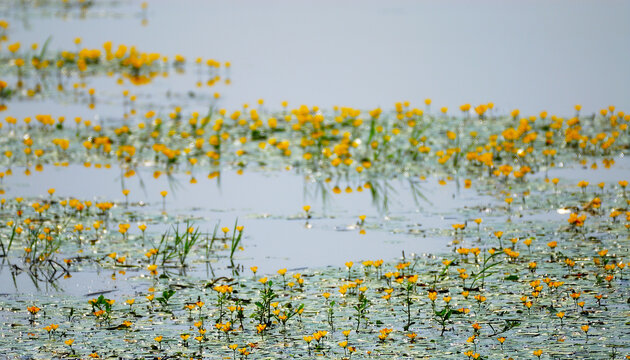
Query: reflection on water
(332, 54)
(29, 11)
(276, 229)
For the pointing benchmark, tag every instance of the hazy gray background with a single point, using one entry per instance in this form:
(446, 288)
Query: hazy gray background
(532, 55)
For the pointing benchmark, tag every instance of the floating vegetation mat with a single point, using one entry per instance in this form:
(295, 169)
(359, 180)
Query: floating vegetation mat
(541, 275)
(553, 290)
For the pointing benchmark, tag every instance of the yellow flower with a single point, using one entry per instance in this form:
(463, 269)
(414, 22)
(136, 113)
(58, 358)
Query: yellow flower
(152, 268)
(14, 47)
(560, 314)
(33, 309)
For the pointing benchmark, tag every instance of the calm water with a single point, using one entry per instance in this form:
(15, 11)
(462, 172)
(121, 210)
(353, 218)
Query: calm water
(530, 55)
